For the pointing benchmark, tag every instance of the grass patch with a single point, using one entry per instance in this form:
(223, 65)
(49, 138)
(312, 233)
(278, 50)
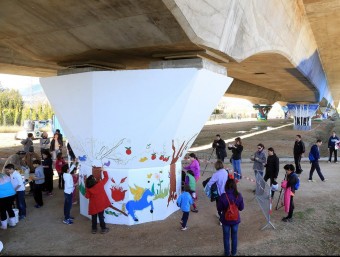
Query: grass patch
(10, 129)
(304, 214)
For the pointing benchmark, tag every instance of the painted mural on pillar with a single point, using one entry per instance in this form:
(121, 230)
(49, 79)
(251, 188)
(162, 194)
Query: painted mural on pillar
(140, 144)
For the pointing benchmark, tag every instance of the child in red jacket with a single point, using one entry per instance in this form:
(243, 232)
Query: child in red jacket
(98, 201)
(59, 163)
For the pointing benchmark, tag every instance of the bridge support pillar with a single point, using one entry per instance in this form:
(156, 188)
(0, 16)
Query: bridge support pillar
(137, 125)
(285, 111)
(263, 111)
(303, 114)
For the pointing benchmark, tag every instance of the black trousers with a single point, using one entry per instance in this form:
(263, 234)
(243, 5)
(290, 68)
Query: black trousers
(6, 205)
(101, 220)
(37, 194)
(331, 151)
(297, 160)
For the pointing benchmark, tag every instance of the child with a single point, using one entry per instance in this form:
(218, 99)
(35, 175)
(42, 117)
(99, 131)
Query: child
(184, 201)
(75, 175)
(19, 187)
(98, 201)
(39, 180)
(60, 162)
(68, 192)
(191, 182)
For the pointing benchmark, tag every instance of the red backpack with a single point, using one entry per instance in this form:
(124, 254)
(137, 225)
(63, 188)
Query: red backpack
(232, 213)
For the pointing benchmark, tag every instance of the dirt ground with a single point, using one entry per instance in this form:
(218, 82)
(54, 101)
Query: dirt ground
(314, 231)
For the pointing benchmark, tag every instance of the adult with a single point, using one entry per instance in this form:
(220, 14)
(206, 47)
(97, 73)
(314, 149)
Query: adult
(220, 177)
(28, 142)
(230, 228)
(194, 166)
(7, 196)
(333, 139)
(272, 167)
(259, 158)
(289, 186)
(70, 152)
(315, 152)
(44, 143)
(299, 149)
(60, 135)
(56, 145)
(220, 147)
(236, 149)
(16, 159)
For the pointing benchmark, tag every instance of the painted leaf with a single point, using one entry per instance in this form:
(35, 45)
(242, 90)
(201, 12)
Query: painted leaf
(123, 179)
(113, 180)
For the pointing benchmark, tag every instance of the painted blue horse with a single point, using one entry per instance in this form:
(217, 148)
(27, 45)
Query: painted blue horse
(132, 205)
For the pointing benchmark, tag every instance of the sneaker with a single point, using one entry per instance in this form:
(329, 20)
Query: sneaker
(194, 210)
(22, 217)
(68, 222)
(335, 162)
(94, 231)
(286, 219)
(185, 228)
(329, 161)
(37, 206)
(104, 230)
(220, 223)
(50, 194)
(325, 180)
(311, 180)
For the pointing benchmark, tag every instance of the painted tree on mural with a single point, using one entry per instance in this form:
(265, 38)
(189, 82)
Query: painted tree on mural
(175, 157)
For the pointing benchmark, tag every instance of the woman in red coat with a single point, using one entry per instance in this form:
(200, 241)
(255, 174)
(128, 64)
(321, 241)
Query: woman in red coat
(98, 201)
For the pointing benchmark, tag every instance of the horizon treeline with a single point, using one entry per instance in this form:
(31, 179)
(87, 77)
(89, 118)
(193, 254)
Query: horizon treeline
(13, 110)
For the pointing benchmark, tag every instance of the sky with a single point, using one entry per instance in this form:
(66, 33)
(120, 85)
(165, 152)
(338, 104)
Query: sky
(25, 84)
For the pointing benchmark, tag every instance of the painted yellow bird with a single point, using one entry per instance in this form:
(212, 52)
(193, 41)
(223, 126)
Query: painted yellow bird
(143, 159)
(137, 192)
(149, 175)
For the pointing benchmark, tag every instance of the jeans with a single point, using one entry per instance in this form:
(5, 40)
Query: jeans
(258, 171)
(185, 218)
(21, 203)
(237, 168)
(67, 205)
(230, 230)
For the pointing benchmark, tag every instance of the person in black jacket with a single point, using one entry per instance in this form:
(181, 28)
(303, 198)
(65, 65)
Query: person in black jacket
(236, 149)
(272, 167)
(331, 147)
(299, 149)
(292, 179)
(220, 147)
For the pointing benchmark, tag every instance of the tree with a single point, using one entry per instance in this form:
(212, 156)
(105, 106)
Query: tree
(11, 105)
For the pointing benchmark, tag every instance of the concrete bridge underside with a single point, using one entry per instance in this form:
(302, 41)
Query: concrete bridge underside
(276, 50)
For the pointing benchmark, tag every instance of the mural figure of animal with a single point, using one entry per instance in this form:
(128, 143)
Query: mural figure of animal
(138, 205)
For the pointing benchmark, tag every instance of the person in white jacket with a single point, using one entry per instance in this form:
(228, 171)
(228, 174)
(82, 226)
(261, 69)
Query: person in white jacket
(68, 193)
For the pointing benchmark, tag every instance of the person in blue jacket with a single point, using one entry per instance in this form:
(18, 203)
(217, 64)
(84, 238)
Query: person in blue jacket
(230, 228)
(331, 147)
(315, 151)
(184, 201)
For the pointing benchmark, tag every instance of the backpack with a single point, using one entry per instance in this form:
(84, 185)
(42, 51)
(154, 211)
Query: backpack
(232, 213)
(297, 185)
(311, 157)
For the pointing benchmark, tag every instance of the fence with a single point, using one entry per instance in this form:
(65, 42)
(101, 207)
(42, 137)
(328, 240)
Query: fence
(263, 197)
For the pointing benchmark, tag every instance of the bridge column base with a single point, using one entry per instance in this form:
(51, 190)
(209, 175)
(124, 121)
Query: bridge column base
(138, 125)
(263, 111)
(303, 114)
